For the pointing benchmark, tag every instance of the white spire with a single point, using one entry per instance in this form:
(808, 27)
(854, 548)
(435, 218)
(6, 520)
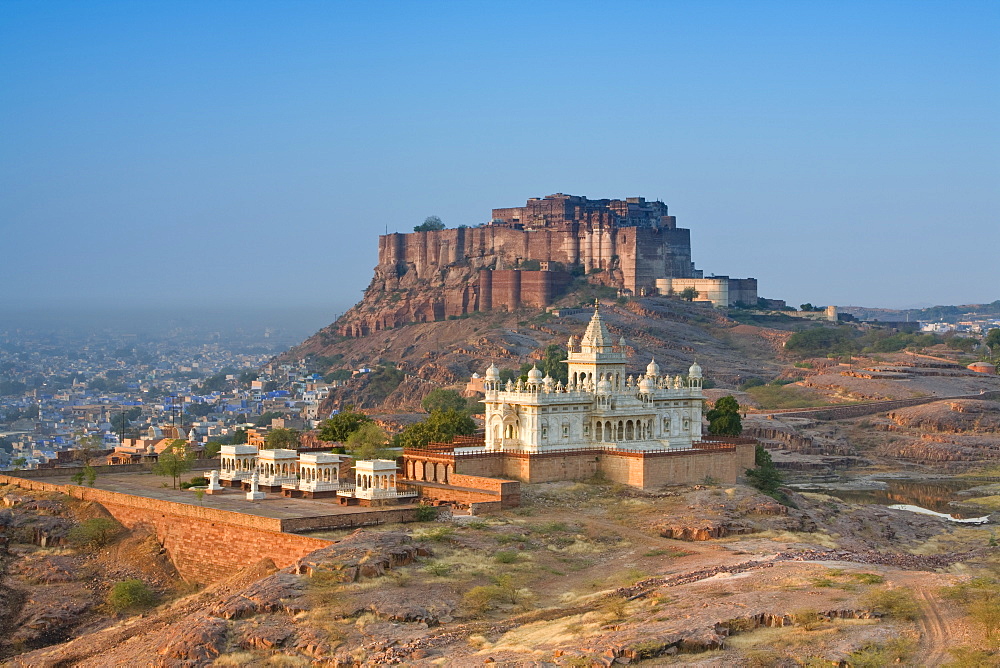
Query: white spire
(597, 338)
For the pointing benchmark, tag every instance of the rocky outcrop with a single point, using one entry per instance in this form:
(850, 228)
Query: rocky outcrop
(363, 554)
(708, 531)
(953, 417)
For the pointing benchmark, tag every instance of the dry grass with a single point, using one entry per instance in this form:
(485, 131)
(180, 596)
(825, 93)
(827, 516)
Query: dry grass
(988, 502)
(287, 661)
(234, 659)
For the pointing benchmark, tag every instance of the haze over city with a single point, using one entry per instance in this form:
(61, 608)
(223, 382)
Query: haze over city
(248, 154)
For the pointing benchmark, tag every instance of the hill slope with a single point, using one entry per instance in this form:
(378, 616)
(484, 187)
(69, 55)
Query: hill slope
(448, 352)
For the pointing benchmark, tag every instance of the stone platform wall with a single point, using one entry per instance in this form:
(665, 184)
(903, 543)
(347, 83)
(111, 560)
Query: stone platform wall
(205, 544)
(724, 459)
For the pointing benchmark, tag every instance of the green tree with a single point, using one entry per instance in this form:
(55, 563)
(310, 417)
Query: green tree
(238, 437)
(199, 409)
(440, 427)
(823, 341)
(338, 374)
(120, 422)
(430, 223)
(282, 438)
(765, 477)
(724, 418)
(247, 377)
(265, 418)
(554, 363)
(20, 462)
(89, 449)
(212, 449)
(443, 400)
(367, 442)
(342, 425)
(992, 340)
(689, 294)
(382, 382)
(174, 461)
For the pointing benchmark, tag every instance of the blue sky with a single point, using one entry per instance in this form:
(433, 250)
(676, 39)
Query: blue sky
(248, 153)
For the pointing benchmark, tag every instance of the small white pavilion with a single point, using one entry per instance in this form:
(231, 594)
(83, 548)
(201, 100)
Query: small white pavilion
(277, 467)
(319, 472)
(375, 479)
(238, 462)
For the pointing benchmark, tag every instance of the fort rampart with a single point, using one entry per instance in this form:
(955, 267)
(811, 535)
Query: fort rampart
(437, 274)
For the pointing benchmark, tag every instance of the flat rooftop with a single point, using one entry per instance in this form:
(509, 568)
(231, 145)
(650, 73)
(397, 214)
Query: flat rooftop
(232, 499)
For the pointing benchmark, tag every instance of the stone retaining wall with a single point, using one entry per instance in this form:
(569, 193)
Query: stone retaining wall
(205, 544)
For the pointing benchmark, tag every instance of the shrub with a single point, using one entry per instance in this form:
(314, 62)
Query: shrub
(877, 655)
(131, 594)
(94, 533)
(426, 513)
(439, 569)
(437, 534)
(893, 602)
(480, 599)
(507, 557)
(810, 620)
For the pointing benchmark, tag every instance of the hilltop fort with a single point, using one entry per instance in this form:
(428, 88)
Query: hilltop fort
(529, 256)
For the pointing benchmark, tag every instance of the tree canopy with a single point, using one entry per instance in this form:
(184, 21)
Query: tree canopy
(554, 363)
(430, 223)
(282, 438)
(441, 427)
(724, 418)
(342, 425)
(367, 442)
(689, 294)
(993, 340)
(443, 400)
(174, 461)
(765, 477)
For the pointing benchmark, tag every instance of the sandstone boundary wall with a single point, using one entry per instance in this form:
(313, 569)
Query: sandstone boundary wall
(724, 459)
(207, 544)
(67, 471)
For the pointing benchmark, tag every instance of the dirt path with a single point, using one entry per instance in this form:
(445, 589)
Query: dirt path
(934, 629)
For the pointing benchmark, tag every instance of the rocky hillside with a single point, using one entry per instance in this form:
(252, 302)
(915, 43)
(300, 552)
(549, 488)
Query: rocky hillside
(448, 352)
(60, 559)
(582, 574)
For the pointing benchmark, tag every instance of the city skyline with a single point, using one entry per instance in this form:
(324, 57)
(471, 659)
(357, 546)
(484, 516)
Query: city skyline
(249, 154)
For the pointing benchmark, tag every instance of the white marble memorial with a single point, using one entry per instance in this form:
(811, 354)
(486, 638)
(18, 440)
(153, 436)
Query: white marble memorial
(213, 483)
(601, 407)
(238, 462)
(376, 479)
(319, 472)
(277, 467)
(254, 494)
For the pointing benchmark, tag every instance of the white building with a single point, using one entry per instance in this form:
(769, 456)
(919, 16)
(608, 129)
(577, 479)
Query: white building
(238, 462)
(599, 408)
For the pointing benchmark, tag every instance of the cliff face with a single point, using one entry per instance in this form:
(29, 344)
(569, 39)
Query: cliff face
(427, 276)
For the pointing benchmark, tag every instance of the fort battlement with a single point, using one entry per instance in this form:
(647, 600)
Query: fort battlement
(524, 257)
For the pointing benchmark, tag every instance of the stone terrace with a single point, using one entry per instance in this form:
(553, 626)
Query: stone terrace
(234, 500)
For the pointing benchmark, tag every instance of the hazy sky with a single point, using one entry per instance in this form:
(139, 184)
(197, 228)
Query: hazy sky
(248, 153)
